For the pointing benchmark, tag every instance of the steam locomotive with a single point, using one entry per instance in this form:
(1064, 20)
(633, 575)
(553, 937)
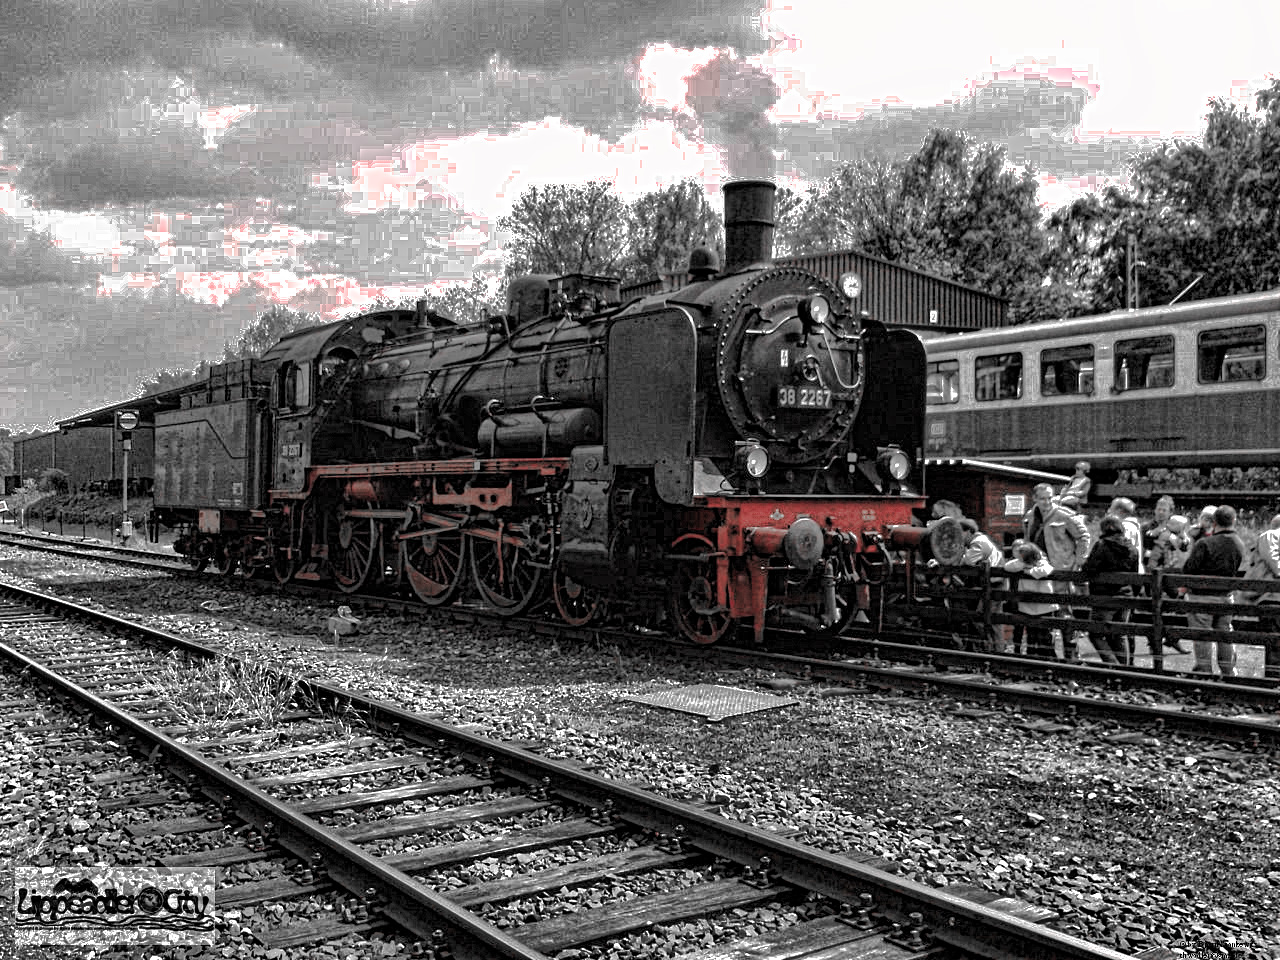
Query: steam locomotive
(741, 448)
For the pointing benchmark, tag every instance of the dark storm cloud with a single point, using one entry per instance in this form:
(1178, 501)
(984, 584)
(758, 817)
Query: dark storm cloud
(82, 80)
(125, 171)
(239, 69)
(604, 99)
(373, 41)
(731, 99)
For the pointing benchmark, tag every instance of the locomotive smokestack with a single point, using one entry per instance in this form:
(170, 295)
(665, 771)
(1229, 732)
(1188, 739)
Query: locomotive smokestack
(748, 222)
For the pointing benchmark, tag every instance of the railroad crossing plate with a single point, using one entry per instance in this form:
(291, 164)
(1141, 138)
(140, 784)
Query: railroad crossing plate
(712, 701)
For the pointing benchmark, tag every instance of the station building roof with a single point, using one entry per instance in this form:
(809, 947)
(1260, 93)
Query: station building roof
(147, 407)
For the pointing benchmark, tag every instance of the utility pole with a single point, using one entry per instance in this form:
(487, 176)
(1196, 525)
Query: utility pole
(1131, 264)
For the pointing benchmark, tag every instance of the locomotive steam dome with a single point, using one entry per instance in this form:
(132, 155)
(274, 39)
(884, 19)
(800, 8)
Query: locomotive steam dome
(789, 355)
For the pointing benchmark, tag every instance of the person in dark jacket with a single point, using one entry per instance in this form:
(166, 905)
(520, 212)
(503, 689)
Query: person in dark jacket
(1218, 554)
(1113, 553)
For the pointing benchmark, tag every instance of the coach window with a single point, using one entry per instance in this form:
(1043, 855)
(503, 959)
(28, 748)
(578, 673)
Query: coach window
(1066, 370)
(944, 382)
(1237, 353)
(998, 377)
(1144, 364)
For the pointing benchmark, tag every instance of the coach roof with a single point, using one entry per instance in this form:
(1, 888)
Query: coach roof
(1224, 308)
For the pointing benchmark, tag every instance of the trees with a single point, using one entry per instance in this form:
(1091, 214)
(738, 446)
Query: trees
(262, 333)
(1083, 257)
(1207, 208)
(566, 228)
(790, 236)
(170, 379)
(470, 302)
(266, 329)
(952, 208)
(666, 225)
(34, 258)
(1213, 207)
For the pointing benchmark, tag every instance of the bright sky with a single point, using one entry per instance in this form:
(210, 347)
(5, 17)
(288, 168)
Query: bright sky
(1155, 66)
(1154, 63)
(1157, 61)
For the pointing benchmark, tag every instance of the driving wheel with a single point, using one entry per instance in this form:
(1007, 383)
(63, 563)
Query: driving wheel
(435, 564)
(505, 574)
(692, 602)
(577, 603)
(224, 559)
(353, 550)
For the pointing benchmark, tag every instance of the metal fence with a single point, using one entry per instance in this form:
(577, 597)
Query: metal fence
(975, 606)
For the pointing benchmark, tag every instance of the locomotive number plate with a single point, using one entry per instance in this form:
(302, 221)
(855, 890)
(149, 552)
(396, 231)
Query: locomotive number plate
(804, 398)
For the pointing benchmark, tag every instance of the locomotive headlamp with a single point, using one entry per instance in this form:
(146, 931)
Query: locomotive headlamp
(850, 285)
(814, 311)
(893, 465)
(752, 458)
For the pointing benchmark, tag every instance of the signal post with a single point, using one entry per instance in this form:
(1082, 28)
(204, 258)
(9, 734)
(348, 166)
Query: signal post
(126, 423)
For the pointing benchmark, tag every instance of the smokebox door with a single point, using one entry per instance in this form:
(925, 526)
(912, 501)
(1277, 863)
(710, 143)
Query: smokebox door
(653, 379)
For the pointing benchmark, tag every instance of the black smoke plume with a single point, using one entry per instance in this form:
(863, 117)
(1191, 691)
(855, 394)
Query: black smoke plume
(731, 99)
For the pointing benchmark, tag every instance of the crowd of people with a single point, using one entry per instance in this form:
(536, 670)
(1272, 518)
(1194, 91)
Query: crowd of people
(1056, 538)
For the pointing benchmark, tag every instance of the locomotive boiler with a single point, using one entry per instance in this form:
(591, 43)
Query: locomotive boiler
(741, 447)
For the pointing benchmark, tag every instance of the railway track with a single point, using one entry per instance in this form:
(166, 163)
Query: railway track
(130, 556)
(1243, 711)
(677, 861)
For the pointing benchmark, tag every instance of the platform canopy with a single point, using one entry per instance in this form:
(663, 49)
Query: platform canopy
(147, 407)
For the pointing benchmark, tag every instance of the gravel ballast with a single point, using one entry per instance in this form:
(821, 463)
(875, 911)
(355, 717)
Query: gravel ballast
(1135, 841)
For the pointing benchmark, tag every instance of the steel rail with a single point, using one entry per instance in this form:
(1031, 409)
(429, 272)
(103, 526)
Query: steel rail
(951, 920)
(1248, 690)
(1249, 731)
(1173, 716)
(105, 552)
(1240, 689)
(1243, 689)
(408, 903)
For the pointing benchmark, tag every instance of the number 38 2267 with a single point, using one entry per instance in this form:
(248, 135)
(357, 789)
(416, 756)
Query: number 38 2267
(804, 398)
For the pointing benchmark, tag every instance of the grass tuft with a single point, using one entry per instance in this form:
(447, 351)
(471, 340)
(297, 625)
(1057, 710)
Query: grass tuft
(235, 685)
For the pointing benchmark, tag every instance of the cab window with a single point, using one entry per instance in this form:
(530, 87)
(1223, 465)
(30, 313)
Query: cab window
(1237, 353)
(998, 377)
(1066, 370)
(1144, 364)
(943, 382)
(293, 386)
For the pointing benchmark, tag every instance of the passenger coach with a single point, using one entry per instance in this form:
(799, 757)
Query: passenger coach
(1195, 384)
